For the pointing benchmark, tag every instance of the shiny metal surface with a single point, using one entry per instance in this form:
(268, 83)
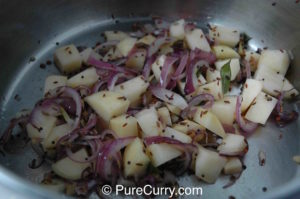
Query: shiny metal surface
(32, 28)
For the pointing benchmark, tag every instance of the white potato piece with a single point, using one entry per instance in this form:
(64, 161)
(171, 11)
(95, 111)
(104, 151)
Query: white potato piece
(133, 89)
(126, 45)
(68, 169)
(164, 115)
(177, 135)
(148, 39)
(187, 126)
(197, 82)
(54, 81)
(209, 165)
(173, 109)
(166, 48)
(233, 166)
(261, 108)
(234, 66)
(214, 88)
(124, 126)
(177, 29)
(196, 39)
(112, 54)
(162, 153)
(232, 145)
(212, 75)
(115, 35)
(89, 52)
(277, 60)
(224, 35)
(85, 78)
(135, 160)
(43, 126)
(272, 81)
(252, 57)
(67, 58)
(225, 52)
(251, 89)
(207, 119)
(289, 89)
(149, 123)
(108, 104)
(224, 109)
(58, 131)
(137, 61)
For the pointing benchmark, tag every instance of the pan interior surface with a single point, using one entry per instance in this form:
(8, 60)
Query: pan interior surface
(280, 175)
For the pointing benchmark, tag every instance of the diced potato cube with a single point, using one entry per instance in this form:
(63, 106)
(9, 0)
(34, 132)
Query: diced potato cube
(261, 108)
(135, 159)
(196, 39)
(213, 88)
(115, 35)
(209, 121)
(277, 60)
(233, 166)
(177, 29)
(68, 169)
(252, 57)
(164, 115)
(166, 49)
(124, 125)
(162, 153)
(232, 144)
(149, 123)
(225, 52)
(89, 52)
(251, 89)
(289, 89)
(148, 39)
(224, 35)
(177, 135)
(209, 165)
(186, 126)
(112, 54)
(137, 61)
(108, 104)
(59, 131)
(133, 89)
(67, 58)
(224, 109)
(173, 109)
(54, 81)
(43, 126)
(212, 75)
(272, 81)
(234, 66)
(126, 45)
(85, 78)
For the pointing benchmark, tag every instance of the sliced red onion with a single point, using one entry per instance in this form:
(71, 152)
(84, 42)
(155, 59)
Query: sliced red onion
(153, 48)
(189, 27)
(209, 57)
(191, 77)
(245, 125)
(166, 69)
(228, 128)
(113, 80)
(147, 66)
(119, 62)
(106, 156)
(169, 97)
(232, 181)
(97, 86)
(183, 62)
(247, 68)
(262, 158)
(84, 90)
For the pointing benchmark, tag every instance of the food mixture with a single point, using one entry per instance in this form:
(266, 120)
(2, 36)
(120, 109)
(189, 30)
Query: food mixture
(146, 106)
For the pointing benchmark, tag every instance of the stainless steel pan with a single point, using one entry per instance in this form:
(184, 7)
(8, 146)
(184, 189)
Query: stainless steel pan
(29, 31)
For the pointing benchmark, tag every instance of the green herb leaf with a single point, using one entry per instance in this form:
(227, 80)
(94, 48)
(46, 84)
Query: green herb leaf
(225, 77)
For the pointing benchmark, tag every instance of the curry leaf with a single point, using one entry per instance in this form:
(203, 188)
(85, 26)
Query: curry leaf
(225, 77)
